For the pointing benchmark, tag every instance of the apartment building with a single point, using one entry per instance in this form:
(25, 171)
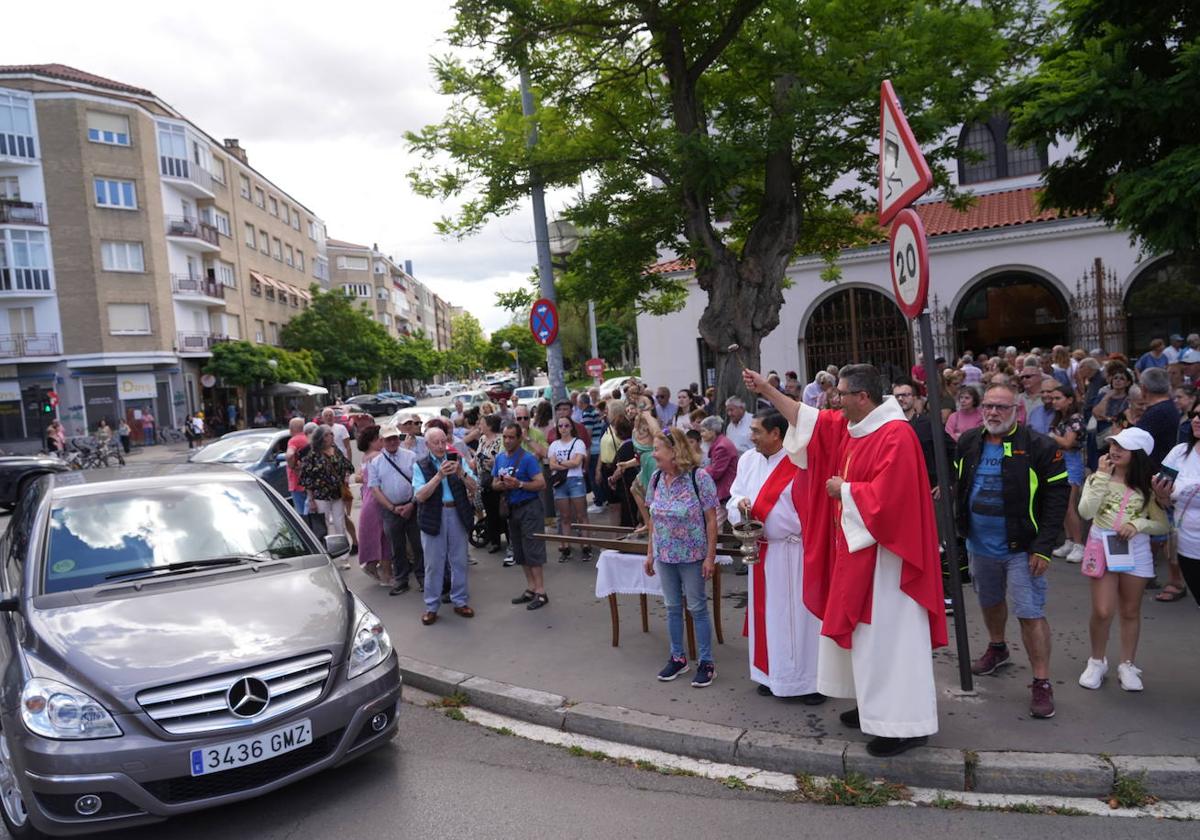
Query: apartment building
(131, 242)
(368, 275)
(442, 315)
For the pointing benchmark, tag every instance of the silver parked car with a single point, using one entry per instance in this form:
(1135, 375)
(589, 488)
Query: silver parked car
(174, 639)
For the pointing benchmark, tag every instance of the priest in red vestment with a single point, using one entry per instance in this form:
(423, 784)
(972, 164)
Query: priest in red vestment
(872, 572)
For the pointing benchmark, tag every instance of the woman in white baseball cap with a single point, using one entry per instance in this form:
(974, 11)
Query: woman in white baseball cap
(1121, 503)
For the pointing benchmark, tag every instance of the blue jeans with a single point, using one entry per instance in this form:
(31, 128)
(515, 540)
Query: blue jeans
(680, 580)
(996, 577)
(299, 499)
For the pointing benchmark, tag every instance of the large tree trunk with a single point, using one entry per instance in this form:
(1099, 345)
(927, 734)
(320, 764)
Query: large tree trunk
(741, 310)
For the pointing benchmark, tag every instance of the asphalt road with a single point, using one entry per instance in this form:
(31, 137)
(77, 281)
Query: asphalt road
(444, 779)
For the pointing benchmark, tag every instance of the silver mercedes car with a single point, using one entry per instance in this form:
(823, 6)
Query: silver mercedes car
(174, 639)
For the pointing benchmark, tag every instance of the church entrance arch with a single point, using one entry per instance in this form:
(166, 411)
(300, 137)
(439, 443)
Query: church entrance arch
(861, 326)
(1014, 308)
(1164, 298)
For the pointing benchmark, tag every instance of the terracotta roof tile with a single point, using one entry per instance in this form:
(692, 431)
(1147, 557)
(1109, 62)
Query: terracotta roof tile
(70, 74)
(990, 211)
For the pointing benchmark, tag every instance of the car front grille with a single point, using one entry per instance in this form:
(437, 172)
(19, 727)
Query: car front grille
(191, 788)
(200, 706)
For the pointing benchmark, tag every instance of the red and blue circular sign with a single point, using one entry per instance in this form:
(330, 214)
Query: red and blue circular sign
(543, 322)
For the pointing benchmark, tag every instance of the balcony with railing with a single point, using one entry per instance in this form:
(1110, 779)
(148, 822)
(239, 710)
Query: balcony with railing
(198, 342)
(25, 281)
(192, 231)
(28, 344)
(188, 176)
(18, 147)
(185, 285)
(13, 212)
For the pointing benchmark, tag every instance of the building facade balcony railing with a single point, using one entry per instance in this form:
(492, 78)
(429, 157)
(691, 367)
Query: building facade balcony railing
(13, 212)
(19, 280)
(192, 228)
(17, 145)
(28, 344)
(197, 342)
(185, 284)
(182, 169)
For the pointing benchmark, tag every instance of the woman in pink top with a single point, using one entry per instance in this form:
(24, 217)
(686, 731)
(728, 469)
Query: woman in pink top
(968, 415)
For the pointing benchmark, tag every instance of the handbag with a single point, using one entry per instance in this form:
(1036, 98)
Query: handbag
(1094, 564)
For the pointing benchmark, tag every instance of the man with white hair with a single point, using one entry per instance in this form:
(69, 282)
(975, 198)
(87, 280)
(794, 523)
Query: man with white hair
(738, 428)
(443, 485)
(1191, 353)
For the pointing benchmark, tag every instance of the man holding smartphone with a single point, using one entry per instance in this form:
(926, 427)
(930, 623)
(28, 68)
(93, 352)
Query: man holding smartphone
(443, 486)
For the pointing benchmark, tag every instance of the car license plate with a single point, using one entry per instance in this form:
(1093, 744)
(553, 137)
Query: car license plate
(233, 754)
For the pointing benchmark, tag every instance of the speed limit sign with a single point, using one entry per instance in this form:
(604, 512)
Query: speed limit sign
(909, 263)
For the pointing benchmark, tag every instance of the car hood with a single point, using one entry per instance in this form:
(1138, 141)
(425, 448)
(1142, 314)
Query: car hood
(225, 620)
(30, 461)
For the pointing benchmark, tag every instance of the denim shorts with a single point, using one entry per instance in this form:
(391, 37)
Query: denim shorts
(993, 577)
(573, 488)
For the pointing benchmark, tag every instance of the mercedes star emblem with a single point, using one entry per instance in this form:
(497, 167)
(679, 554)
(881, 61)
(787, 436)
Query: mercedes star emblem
(248, 697)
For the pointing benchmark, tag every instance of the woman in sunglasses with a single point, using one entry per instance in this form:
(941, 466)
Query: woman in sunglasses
(568, 458)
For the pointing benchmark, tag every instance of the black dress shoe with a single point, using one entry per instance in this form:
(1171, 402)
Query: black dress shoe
(814, 699)
(765, 691)
(850, 718)
(885, 747)
(399, 588)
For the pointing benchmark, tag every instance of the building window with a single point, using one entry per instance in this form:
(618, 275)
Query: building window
(274, 333)
(122, 256)
(264, 242)
(16, 127)
(277, 248)
(233, 326)
(111, 193)
(217, 218)
(312, 230)
(112, 129)
(226, 276)
(274, 206)
(300, 261)
(295, 219)
(320, 268)
(295, 300)
(129, 319)
(10, 187)
(24, 261)
(381, 293)
(218, 170)
(260, 199)
(250, 236)
(244, 186)
(985, 154)
(259, 330)
(283, 214)
(362, 290)
(289, 255)
(255, 287)
(270, 293)
(353, 263)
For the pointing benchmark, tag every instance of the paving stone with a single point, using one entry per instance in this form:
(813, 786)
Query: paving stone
(791, 753)
(429, 677)
(1166, 776)
(934, 767)
(1052, 774)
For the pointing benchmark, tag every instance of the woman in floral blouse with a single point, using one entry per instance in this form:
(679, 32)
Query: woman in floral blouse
(682, 548)
(323, 474)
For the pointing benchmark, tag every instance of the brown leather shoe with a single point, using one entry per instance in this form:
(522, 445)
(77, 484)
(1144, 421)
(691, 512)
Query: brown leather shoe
(464, 611)
(428, 618)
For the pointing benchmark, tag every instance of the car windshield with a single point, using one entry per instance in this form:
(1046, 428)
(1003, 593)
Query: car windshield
(93, 538)
(243, 449)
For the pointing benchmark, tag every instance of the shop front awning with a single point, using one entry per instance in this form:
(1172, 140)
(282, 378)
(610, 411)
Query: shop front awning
(295, 389)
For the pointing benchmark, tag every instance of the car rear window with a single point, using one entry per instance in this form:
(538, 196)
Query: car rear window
(93, 537)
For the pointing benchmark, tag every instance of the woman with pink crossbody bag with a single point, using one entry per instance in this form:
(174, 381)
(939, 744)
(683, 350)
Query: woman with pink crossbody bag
(1120, 501)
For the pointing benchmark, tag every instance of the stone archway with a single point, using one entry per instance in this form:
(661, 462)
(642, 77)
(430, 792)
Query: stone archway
(1163, 298)
(1015, 308)
(858, 325)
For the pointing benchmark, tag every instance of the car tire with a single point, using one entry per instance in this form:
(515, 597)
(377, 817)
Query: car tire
(13, 798)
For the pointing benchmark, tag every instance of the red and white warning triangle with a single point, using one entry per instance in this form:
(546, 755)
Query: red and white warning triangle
(904, 175)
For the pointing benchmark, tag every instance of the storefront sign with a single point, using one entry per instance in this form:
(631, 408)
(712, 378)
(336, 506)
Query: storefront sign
(10, 391)
(136, 386)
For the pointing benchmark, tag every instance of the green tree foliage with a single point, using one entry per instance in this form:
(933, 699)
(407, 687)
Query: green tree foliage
(416, 358)
(342, 333)
(1122, 80)
(246, 365)
(531, 354)
(468, 348)
(722, 131)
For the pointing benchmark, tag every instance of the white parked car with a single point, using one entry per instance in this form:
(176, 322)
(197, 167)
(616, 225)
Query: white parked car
(438, 390)
(529, 396)
(609, 385)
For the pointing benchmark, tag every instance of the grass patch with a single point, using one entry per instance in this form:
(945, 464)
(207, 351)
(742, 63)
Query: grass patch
(734, 783)
(454, 713)
(577, 751)
(677, 771)
(642, 764)
(1024, 808)
(455, 701)
(1130, 792)
(855, 789)
(503, 730)
(945, 803)
(597, 755)
(1066, 811)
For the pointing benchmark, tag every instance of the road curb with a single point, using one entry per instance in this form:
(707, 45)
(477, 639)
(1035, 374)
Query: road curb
(1009, 772)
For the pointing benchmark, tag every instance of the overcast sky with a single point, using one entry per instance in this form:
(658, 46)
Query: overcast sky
(320, 95)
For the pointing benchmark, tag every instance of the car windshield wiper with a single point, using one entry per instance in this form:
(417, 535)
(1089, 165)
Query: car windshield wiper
(185, 566)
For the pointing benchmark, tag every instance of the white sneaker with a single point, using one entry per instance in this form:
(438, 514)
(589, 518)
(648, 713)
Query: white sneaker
(1093, 674)
(1130, 676)
(1063, 550)
(1076, 554)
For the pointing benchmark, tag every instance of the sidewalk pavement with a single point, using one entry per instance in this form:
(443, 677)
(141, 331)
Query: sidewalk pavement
(987, 741)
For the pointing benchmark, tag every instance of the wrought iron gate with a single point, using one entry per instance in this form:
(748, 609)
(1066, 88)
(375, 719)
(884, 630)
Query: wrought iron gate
(859, 326)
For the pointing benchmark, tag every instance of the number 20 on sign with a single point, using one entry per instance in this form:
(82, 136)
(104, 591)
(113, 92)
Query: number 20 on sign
(909, 262)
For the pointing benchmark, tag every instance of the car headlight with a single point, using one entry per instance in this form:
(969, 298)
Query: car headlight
(370, 645)
(55, 710)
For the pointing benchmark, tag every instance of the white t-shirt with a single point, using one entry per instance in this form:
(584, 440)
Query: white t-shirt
(340, 435)
(739, 433)
(560, 452)
(1185, 495)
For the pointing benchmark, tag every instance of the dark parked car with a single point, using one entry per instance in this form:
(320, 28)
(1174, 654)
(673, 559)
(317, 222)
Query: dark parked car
(16, 471)
(259, 452)
(374, 404)
(173, 640)
(405, 400)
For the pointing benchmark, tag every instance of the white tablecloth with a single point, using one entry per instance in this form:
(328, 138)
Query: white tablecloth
(623, 574)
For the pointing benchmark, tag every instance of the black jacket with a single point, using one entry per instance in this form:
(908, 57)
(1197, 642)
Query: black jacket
(1036, 492)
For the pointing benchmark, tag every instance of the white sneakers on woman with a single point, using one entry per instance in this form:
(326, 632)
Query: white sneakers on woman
(1070, 551)
(1093, 675)
(1063, 550)
(1128, 675)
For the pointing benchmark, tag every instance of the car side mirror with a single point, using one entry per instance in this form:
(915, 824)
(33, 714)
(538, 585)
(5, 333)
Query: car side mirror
(337, 545)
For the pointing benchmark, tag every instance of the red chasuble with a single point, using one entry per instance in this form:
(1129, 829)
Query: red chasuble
(886, 471)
